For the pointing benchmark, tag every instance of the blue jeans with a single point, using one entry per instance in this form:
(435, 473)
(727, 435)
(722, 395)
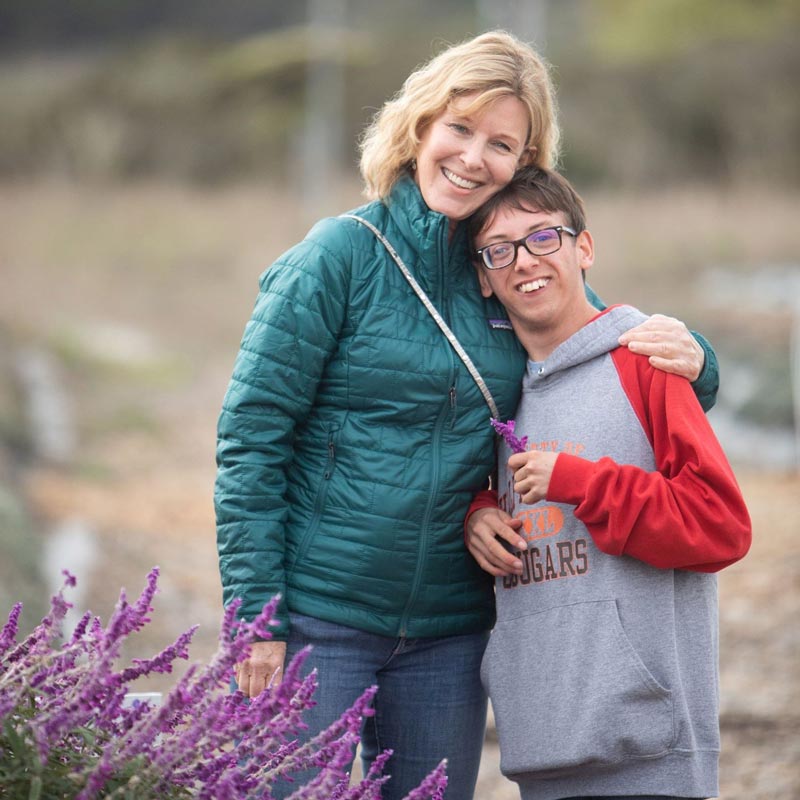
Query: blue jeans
(430, 703)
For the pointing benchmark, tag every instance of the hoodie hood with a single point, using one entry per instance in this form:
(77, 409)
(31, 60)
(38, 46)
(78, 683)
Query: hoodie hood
(596, 338)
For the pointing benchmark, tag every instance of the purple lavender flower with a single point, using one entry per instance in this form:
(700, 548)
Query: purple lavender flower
(65, 731)
(506, 430)
(433, 786)
(9, 634)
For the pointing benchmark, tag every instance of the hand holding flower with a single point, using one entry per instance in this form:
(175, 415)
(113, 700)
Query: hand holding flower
(532, 471)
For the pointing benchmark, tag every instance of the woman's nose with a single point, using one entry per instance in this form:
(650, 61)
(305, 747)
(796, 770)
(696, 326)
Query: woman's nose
(472, 155)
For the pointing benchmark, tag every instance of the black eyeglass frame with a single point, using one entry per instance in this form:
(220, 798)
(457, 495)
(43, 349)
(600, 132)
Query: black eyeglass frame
(523, 242)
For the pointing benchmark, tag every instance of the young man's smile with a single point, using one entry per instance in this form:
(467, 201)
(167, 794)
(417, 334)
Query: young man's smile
(533, 286)
(544, 295)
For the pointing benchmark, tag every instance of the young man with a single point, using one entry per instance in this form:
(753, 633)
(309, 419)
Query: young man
(602, 668)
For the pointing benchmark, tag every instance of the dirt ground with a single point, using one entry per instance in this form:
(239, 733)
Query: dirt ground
(142, 295)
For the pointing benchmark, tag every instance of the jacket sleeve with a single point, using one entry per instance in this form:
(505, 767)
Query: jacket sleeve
(291, 334)
(689, 513)
(706, 385)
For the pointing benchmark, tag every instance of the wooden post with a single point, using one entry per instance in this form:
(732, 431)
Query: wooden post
(526, 19)
(794, 367)
(323, 133)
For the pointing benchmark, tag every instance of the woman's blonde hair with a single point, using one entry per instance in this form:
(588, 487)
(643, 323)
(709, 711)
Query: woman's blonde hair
(494, 64)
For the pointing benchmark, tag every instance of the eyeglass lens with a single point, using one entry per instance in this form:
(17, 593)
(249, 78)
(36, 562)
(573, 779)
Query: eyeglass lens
(539, 243)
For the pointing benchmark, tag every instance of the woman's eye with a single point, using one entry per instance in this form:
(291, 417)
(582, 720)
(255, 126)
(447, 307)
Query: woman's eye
(459, 128)
(503, 146)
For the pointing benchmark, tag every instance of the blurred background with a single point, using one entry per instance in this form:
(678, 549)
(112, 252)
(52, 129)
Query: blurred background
(157, 155)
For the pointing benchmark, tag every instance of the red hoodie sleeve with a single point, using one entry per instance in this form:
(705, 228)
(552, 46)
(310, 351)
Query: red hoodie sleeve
(690, 513)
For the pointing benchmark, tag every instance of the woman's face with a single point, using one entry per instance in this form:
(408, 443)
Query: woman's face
(463, 160)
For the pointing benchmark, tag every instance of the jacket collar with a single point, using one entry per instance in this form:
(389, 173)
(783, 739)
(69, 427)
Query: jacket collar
(425, 231)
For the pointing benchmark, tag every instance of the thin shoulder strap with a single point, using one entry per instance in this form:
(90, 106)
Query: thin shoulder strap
(451, 337)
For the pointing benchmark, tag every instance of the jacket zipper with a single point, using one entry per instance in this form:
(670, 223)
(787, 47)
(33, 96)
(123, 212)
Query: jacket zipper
(424, 535)
(318, 505)
(331, 459)
(436, 440)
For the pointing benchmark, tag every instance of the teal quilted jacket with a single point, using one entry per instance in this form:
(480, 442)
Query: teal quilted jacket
(352, 437)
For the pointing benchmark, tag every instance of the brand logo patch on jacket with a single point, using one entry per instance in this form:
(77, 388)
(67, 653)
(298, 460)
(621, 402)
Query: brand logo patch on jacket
(500, 324)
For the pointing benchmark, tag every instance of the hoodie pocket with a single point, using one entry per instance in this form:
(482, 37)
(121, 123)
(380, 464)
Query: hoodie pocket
(569, 691)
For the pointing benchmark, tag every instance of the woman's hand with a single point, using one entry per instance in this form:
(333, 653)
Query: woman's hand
(485, 527)
(264, 667)
(669, 345)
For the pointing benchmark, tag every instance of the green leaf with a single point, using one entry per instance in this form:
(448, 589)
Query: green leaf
(36, 788)
(16, 742)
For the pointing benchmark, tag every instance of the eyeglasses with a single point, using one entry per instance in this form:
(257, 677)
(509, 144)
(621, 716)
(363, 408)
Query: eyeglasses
(539, 243)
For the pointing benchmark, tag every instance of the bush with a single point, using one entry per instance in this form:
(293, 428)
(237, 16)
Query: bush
(67, 733)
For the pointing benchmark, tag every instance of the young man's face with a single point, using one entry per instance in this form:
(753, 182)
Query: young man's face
(544, 295)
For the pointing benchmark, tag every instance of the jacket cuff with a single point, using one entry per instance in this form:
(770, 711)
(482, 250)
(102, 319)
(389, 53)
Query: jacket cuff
(707, 384)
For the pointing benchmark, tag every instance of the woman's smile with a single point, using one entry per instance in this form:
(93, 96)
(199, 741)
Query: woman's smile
(464, 158)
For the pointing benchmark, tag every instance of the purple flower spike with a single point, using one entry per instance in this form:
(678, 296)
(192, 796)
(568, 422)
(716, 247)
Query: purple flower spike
(9, 635)
(506, 430)
(64, 718)
(433, 786)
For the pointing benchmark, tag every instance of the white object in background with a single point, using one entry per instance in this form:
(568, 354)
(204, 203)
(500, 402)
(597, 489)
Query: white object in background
(132, 698)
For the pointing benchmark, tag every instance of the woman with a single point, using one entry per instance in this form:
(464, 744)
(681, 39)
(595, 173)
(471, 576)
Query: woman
(352, 437)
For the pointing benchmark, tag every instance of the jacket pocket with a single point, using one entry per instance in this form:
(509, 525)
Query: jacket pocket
(569, 691)
(311, 528)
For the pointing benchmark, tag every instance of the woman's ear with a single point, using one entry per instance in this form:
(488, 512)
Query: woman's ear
(528, 157)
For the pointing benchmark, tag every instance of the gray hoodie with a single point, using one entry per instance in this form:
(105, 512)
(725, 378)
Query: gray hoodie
(602, 670)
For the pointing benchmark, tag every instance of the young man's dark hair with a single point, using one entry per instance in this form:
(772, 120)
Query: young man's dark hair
(532, 189)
